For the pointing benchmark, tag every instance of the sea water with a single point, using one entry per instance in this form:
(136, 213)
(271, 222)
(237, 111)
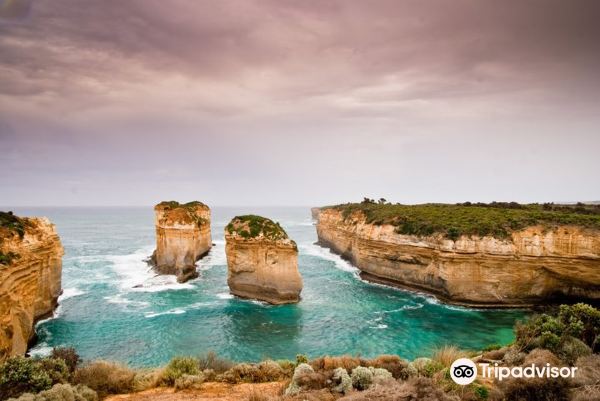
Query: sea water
(114, 307)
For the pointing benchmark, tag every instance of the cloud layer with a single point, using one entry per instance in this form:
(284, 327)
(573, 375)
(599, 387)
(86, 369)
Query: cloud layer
(285, 102)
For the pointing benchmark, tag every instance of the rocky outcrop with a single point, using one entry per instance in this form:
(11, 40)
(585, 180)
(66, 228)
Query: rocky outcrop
(535, 265)
(314, 212)
(262, 261)
(30, 278)
(182, 238)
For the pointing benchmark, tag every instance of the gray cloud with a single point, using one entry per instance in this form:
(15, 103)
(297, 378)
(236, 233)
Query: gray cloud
(395, 98)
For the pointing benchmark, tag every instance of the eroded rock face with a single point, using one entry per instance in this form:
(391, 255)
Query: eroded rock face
(262, 261)
(182, 238)
(536, 265)
(30, 280)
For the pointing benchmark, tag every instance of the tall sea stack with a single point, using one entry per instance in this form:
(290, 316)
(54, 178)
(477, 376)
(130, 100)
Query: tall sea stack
(30, 278)
(182, 237)
(262, 261)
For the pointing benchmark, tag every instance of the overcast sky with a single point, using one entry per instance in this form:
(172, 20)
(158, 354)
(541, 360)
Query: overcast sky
(112, 102)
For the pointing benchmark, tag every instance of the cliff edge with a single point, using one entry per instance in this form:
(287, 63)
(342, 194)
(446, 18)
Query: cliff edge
(30, 278)
(262, 261)
(519, 258)
(182, 237)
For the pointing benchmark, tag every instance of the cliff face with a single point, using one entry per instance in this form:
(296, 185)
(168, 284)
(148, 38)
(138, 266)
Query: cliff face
(30, 282)
(182, 237)
(533, 266)
(262, 266)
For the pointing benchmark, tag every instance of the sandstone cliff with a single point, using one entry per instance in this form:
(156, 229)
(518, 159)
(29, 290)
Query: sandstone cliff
(314, 212)
(262, 261)
(182, 237)
(534, 265)
(30, 278)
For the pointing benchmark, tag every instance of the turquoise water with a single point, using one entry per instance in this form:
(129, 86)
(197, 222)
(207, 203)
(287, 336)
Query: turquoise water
(103, 316)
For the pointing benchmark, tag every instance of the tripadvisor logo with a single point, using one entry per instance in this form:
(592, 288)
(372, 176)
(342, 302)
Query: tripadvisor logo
(464, 371)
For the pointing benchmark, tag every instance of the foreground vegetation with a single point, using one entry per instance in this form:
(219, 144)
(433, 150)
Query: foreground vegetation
(253, 226)
(185, 212)
(568, 337)
(496, 219)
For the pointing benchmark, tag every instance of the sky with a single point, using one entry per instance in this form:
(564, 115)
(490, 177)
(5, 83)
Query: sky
(280, 102)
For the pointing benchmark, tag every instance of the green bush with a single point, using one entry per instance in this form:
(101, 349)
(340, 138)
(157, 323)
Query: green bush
(20, 375)
(496, 219)
(67, 354)
(342, 381)
(300, 372)
(61, 392)
(56, 369)
(552, 332)
(301, 358)
(178, 367)
(362, 378)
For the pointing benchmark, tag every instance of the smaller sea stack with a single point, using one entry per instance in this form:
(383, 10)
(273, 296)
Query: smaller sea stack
(262, 261)
(182, 237)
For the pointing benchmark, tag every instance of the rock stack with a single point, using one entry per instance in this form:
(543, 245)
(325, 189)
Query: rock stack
(182, 237)
(262, 261)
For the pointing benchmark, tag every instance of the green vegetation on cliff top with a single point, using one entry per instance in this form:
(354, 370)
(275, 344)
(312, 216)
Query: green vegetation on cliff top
(13, 223)
(497, 219)
(252, 226)
(175, 204)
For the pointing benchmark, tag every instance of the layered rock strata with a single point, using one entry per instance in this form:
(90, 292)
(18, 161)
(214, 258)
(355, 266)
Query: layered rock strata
(182, 237)
(262, 261)
(30, 278)
(535, 265)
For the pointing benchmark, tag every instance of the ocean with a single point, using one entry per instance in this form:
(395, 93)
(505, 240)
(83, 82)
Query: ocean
(105, 316)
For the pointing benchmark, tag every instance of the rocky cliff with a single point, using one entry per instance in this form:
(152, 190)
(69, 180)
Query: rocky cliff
(532, 265)
(262, 261)
(30, 278)
(182, 237)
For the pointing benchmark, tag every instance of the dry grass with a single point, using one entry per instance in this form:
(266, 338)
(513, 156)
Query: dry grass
(392, 363)
(332, 362)
(418, 388)
(105, 378)
(448, 354)
(210, 360)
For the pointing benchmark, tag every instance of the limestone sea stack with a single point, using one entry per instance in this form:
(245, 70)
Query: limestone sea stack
(495, 255)
(30, 278)
(262, 261)
(182, 238)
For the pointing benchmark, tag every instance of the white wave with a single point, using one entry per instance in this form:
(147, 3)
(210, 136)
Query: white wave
(177, 311)
(120, 300)
(216, 256)
(137, 275)
(40, 350)
(70, 293)
(379, 326)
(224, 295)
(324, 253)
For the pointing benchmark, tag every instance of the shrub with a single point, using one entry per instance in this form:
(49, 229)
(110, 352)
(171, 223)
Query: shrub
(572, 349)
(416, 388)
(301, 358)
(210, 360)
(301, 371)
(264, 371)
(342, 380)
(287, 366)
(67, 354)
(362, 378)
(431, 368)
(61, 392)
(513, 356)
(56, 369)
(146, 379)
(393, 364)
(19, 375)
(187, 382)
(481, 392)
(580, 321)
(178, 367)
(105, 378)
